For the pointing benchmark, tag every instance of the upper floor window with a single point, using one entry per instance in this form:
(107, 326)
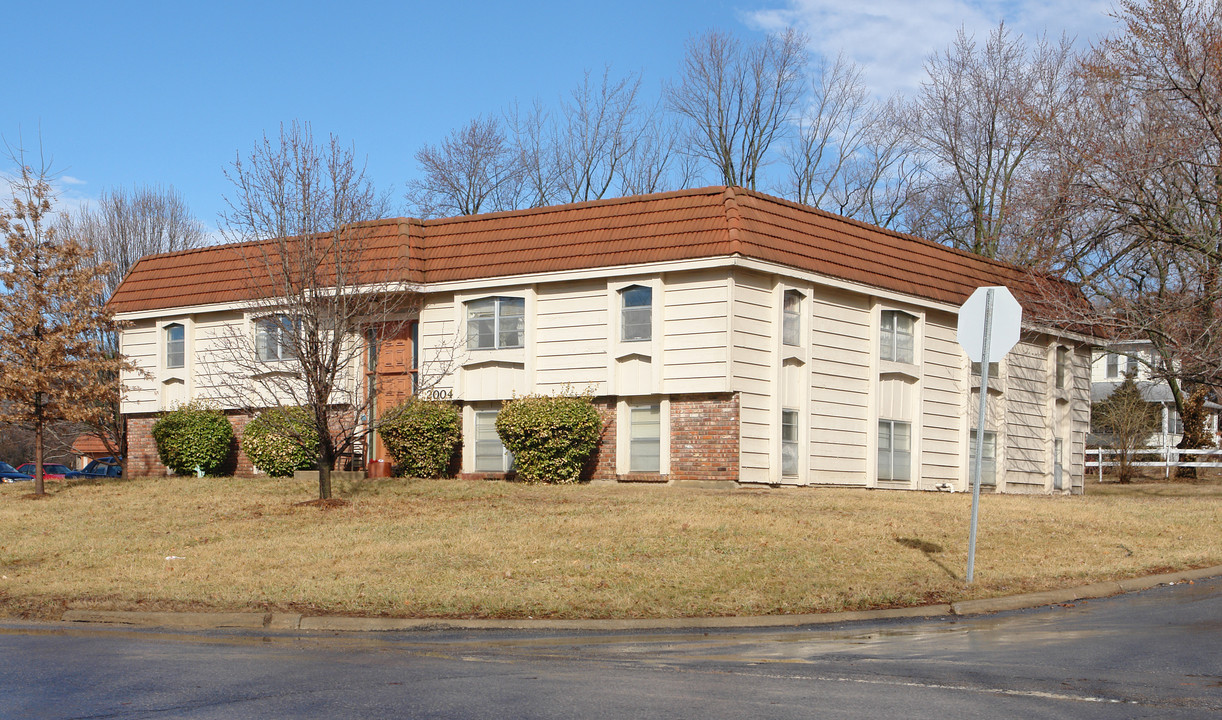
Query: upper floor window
(274, 338)
(791, 318)
(1130, 365)
(1062, 369)
(636, 319)
(495, 323)
(175, 346)
(898, 337)
(1113, 365)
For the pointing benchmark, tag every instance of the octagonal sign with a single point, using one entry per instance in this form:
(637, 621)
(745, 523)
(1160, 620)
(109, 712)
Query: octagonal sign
(1003, 329)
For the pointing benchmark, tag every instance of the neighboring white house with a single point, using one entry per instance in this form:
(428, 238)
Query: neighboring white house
(1110, 365)
(726, 335)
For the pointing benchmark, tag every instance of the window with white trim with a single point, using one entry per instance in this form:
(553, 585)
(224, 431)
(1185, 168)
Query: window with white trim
(1130, 365)
(789, 442)
(175, 346)
(274, 338)
(894, 450)
(496, 323)
(645, 438)
(897, 337)
(791, 318)
(988, 462)
(1113, 365)
(636, 313)
(1062, 367)
(490, 452)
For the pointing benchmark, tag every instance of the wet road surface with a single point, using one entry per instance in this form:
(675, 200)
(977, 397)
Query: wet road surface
(1154, 654)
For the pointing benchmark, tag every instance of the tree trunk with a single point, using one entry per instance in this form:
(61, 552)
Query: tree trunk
(326, 460)
(39, 488)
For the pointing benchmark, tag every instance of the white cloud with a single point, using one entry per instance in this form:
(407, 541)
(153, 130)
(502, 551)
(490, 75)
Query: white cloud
(69, 180)
(891, 39)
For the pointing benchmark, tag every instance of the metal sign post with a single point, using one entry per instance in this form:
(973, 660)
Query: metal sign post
(989, 325)
(978, 462)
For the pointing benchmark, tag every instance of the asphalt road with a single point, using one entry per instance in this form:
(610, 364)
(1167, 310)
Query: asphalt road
(1154, 654)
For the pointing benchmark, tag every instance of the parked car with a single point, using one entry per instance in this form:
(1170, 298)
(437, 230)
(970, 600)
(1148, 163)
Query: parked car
(103, 467)
(52, 471)
(9, 474)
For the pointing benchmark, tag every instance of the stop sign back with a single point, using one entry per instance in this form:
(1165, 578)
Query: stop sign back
(1003, 330)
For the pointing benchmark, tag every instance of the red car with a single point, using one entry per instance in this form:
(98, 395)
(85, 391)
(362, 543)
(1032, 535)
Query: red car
(52, 471)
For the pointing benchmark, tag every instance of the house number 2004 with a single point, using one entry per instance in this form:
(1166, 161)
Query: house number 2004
(446, 394)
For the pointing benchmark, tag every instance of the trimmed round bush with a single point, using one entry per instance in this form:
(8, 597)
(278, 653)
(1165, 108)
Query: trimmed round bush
(196, 435)
(551, 436)
(421, 436)
(281, 440)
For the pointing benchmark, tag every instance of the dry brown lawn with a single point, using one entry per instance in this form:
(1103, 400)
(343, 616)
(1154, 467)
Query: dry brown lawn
(490, 549)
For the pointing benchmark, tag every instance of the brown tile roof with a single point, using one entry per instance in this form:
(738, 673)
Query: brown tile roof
(686, 224)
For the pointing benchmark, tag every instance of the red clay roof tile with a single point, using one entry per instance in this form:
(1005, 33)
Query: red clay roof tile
(680, 225)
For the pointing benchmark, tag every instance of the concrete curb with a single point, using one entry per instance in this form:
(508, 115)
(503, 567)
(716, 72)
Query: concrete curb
(335, 623)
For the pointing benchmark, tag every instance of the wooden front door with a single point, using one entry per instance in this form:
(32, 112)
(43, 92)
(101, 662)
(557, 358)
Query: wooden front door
(391, 372)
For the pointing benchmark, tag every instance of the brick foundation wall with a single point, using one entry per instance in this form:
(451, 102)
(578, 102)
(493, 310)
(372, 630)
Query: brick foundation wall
(703, 442)
(142, 459)
(601, 465)
(141, 450)
(704, 437)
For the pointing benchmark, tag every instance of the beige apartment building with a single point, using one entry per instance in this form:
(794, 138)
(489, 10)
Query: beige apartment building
(726, 335)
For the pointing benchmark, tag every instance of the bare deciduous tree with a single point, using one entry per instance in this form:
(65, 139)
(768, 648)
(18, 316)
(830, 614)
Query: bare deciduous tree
(737, 101)
(475, 169)
(1139, 185)
(849, 156)
(982, 117)
(124, 226)
(531, 133)
(317, 284)
(598, 133)
(657, 162)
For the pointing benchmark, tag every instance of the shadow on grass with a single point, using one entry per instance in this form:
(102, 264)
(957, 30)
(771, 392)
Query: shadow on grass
(929, 549)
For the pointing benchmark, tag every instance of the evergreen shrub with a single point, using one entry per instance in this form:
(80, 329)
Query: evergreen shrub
(421, 436)
(194, 435)
(551, 436)
(281, 440)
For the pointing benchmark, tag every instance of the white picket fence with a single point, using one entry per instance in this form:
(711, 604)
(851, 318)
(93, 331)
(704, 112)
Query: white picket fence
(1166, 458)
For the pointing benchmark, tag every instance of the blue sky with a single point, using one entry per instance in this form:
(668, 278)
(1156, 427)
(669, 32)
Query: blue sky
(126, 93)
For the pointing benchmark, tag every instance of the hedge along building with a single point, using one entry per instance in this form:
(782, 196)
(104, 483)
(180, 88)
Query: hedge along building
(725, 334)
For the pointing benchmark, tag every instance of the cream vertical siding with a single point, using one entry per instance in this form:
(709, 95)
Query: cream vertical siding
(1027, 426)
(716, 331)
(220, 339)
(944, 365)
(695, 345)
(497, 374)
(441, 351)
(840, 375)
(139, 344)
(751, 369)
(1079, 403)
(571, 337)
